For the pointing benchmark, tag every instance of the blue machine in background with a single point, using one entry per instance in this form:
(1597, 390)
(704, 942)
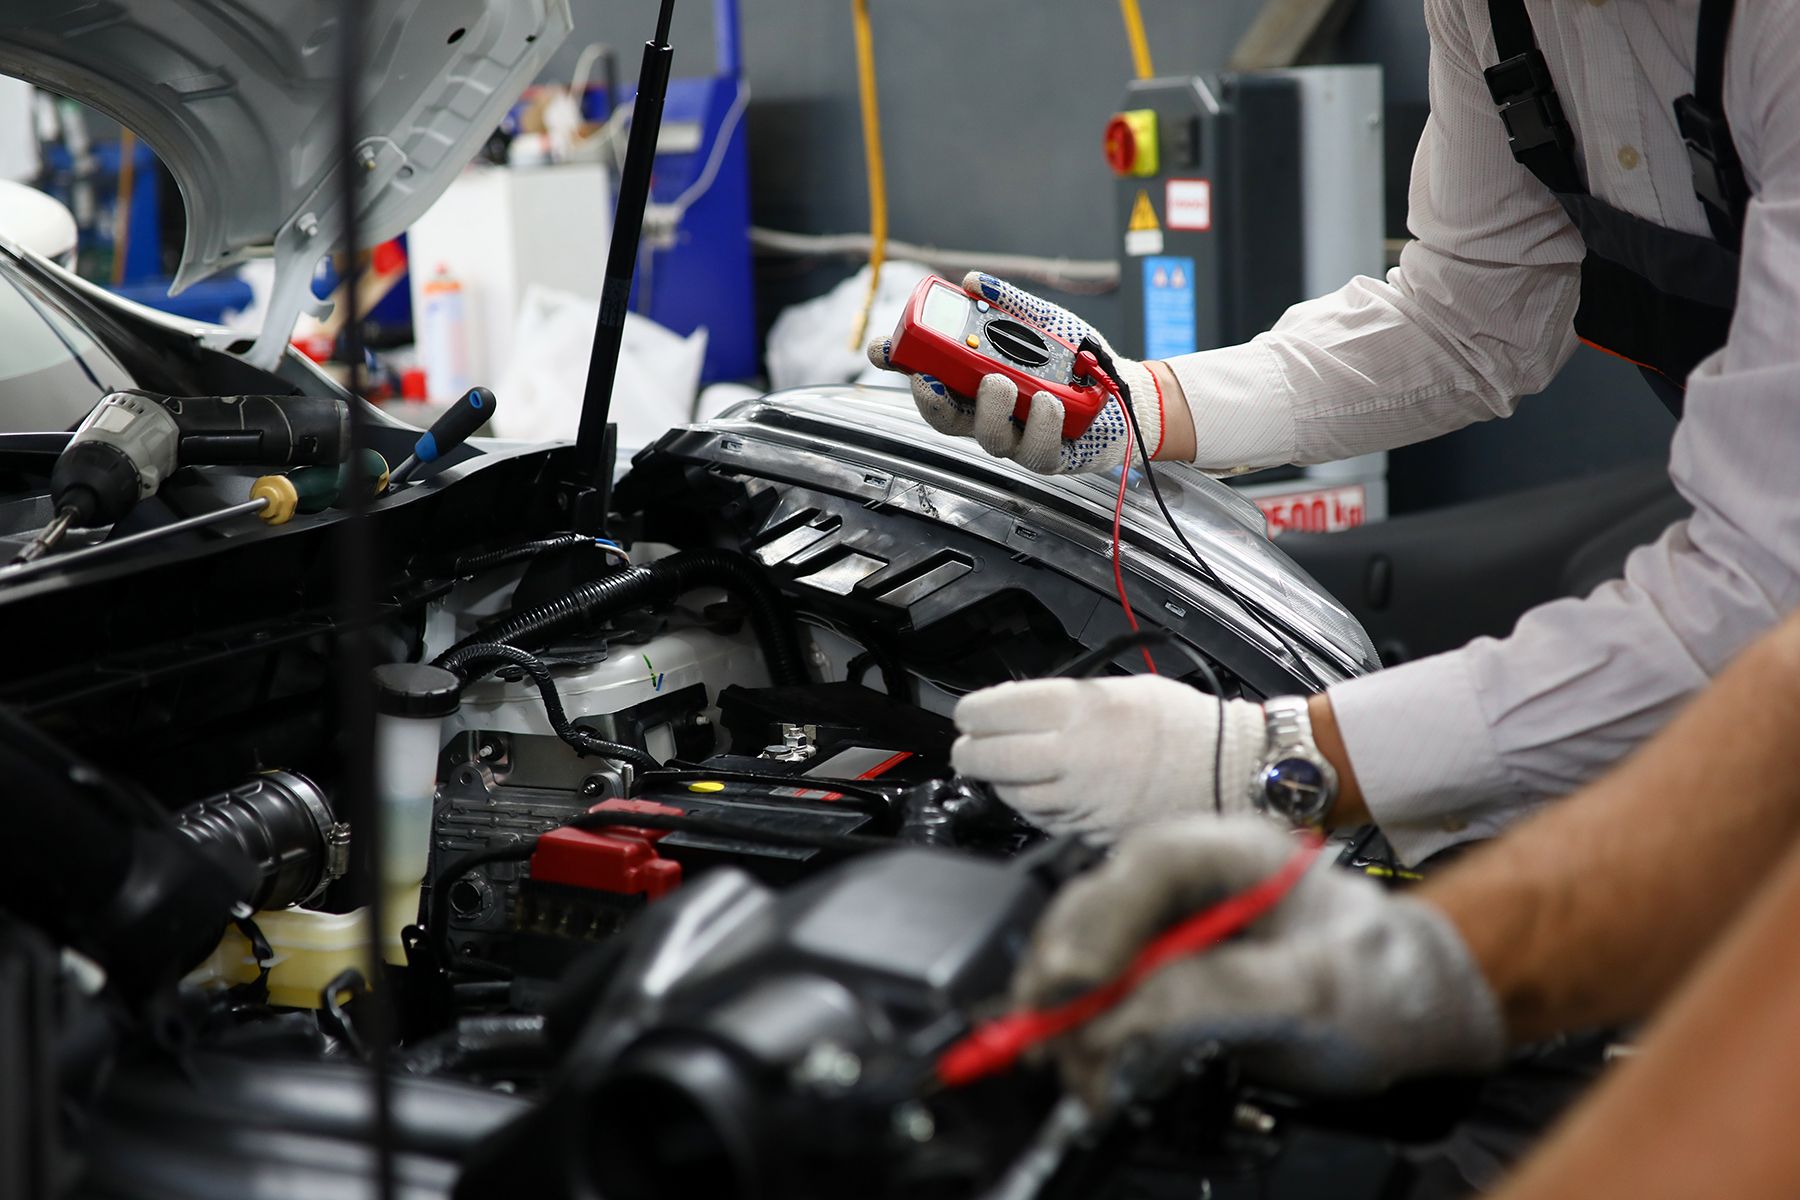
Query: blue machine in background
(694, 269)
(91, 191)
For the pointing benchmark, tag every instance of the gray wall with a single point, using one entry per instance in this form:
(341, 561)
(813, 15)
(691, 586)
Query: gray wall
(992, 112)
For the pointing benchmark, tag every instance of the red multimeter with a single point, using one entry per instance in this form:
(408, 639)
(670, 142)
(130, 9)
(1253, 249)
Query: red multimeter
(956, 338)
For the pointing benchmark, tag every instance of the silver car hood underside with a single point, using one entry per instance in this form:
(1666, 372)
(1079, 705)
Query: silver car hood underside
(239, 99)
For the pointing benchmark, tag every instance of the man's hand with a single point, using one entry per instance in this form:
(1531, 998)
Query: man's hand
(1101, 755)
(1037, 443)
(1342, 988)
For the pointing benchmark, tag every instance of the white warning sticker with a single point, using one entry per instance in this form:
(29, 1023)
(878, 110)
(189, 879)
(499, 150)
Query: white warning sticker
(1188, 204)
(1139, 242)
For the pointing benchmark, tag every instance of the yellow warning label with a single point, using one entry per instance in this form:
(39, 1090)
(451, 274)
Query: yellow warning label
(1143, 216)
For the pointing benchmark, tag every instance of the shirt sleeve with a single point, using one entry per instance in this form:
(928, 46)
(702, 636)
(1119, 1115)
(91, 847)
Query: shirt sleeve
(1457, 746)
(1478, 313)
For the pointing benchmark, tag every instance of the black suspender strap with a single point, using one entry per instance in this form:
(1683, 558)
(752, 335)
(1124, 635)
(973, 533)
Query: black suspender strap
(1520, 84)
(1718, 174)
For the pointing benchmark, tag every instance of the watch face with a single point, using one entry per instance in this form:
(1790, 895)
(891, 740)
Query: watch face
(1296, 787)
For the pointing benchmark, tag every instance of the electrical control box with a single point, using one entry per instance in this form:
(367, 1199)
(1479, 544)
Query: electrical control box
(1237, 196)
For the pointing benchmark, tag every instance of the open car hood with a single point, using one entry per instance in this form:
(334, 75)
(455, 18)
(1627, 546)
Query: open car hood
(238, 98)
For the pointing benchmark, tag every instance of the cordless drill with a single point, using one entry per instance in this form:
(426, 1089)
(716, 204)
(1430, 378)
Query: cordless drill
(132, 441)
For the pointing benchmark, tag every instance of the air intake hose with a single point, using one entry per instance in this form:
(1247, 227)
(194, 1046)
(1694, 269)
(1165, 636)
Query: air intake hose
(651, 585)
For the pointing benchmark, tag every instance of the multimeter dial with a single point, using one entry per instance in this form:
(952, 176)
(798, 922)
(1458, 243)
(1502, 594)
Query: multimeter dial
(1018, 341)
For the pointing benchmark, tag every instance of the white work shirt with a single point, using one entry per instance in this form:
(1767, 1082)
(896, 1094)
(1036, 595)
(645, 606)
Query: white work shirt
(1478, 313)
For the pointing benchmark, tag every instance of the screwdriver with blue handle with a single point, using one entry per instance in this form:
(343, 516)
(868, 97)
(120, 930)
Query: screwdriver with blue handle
(448, 432)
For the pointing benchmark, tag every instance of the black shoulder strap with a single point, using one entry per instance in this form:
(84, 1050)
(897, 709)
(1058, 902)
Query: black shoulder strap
(1712, 155)
(1520, 84)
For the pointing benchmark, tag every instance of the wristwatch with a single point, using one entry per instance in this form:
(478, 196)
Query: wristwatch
(1294, 782)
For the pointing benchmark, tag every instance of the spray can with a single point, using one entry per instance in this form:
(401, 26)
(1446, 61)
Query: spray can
(443, 336)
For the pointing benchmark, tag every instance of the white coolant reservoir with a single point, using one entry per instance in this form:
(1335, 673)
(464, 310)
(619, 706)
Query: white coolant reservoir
(411, 702)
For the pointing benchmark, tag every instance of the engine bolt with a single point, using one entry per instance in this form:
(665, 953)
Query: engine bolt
(912, 1121)
(830, 1064)
(1252, 1119)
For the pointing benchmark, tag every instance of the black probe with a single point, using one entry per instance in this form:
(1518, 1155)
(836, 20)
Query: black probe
(448, 432)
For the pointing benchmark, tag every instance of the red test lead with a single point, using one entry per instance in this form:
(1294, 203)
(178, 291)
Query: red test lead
(996, 1045)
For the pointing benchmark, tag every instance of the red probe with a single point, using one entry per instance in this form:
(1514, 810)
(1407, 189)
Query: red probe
(995, 1045)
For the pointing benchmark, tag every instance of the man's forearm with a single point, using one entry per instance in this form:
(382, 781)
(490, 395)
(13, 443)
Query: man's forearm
(1589, 912)
(1705, 1108)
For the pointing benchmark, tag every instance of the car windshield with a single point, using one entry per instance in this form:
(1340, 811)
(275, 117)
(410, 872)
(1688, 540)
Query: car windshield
(52, 370)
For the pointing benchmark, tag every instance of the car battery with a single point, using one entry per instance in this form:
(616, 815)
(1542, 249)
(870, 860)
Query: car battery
(583, 884)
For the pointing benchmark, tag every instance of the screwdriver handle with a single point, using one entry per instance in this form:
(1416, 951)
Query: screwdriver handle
(449, 431)
(315, 489)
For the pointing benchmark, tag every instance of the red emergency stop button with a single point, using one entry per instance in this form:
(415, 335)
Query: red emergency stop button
(1131, 143)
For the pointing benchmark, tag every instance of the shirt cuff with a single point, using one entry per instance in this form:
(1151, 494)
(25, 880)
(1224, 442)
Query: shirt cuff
(1424, 756)
(1243, 415)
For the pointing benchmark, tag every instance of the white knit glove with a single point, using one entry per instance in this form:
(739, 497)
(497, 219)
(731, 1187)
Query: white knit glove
(1037, 443)
(1343, 987)
(1102, 755)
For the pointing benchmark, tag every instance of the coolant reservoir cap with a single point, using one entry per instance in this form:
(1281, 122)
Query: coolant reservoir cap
(416, 690)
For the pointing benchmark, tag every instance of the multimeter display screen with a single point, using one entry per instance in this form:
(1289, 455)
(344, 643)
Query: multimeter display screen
(944, 311)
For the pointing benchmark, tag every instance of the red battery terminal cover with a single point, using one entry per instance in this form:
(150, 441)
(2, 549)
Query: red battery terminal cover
(958, 339)
(621, 860)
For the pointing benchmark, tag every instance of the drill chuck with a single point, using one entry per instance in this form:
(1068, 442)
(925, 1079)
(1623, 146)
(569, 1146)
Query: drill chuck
(118, 456)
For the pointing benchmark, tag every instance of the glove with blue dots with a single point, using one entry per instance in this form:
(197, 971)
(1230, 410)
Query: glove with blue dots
(1037, 442)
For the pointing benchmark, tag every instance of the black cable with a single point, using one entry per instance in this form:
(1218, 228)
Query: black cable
(358, 596)
(474, 562)
(1206, 571)
(1086, 664)
(649, 585)
(584, 741)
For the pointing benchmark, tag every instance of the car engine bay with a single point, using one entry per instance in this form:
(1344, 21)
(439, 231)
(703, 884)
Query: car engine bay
(683, 895)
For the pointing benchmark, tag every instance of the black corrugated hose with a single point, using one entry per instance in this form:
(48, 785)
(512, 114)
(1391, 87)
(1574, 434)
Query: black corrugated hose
(471, 564)
(584, 740)
(650, 585)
